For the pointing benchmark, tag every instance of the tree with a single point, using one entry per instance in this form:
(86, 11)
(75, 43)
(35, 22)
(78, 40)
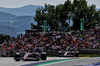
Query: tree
(50, 17)
(68, 11)
(87, 13)
(61, 17)
(4, 37)
(79, 8)
(39, 16)
(92, 17)
(36, 27)
(56, 16)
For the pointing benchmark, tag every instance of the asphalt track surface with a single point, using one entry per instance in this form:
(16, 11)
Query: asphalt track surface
(52, 61)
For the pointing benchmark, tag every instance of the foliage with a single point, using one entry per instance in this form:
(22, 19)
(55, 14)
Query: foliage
(89, 55)
(4, 37)
(58, 17)
(36, 27)
(54, 17)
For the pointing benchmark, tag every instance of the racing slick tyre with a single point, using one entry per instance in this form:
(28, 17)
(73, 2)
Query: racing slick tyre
(60, 54)
(43, 56)
(73, 53)
(16, 59)
(77, 54)
(37, 58)
(17, 56)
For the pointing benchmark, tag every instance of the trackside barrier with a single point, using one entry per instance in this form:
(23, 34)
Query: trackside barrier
(50, 52)
(89, 51)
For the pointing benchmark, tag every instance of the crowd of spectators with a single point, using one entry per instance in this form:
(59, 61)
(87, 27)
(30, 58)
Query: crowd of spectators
(52, 41)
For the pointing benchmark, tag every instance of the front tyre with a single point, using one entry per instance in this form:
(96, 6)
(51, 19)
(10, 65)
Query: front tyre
(37, 58)
(43, 56)
(17, 56)
(16, 59)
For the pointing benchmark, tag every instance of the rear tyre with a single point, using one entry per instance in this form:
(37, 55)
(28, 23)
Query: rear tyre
(16, 59)
(17, 56)
(43, 57)
(76, 54)
(37, 58)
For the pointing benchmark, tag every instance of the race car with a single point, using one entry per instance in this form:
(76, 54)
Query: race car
(68, 54)
(30, 56)
(65, 54)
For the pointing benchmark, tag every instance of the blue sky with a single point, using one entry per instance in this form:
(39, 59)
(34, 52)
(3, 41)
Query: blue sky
(20, 3)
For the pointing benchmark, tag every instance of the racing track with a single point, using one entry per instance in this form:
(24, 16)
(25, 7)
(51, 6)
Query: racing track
(52, 61)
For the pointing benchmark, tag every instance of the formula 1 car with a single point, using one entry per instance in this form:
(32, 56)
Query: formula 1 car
(68, 54)
(30, 56)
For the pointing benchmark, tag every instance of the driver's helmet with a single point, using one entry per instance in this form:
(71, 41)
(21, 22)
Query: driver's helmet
(37, 50)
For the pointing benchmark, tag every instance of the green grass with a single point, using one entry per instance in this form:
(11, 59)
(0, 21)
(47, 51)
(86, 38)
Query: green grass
(51, 56)
(89, 55)
(81, 55)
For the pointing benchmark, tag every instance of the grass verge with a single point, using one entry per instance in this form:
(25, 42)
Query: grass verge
(89, 55)
(81, 55)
